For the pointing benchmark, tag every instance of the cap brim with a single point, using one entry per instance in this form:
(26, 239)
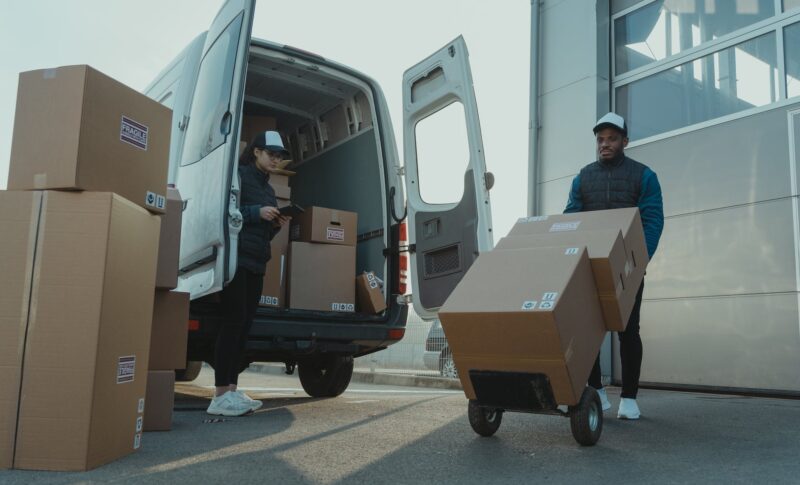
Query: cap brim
(608, 125)
(281, 150)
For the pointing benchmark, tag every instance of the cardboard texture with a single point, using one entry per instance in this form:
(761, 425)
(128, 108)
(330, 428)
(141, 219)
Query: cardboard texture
(88, 332)
(170, 331)
(323, 225)
(19, 220)
(370, 296)
(169, 242)
(277, 179)
(159, 400)
(109, 136)
(607, 256)
(273, 293)
(253, 125)
(321, 277)
(527, 310)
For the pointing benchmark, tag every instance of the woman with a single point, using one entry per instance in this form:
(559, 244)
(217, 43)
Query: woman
(240, 298)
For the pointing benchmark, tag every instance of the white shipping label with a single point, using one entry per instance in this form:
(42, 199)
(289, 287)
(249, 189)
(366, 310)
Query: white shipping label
(547, 305)
(565, 226)
(529, 305)
(269, 300)
(133, 133)
(141, 406)
(571, 251)
(370, 276)
(161, 202)
(137, 441)
(150, 199)
(343, 307)
(373, 284)
(335, 234)
(523, 220)
(550, 296)
(139, 424)
(126, 369)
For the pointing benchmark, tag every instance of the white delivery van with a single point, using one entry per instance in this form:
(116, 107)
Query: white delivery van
(340, 135)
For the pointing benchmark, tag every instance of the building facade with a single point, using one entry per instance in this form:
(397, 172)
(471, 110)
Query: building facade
(711, 93)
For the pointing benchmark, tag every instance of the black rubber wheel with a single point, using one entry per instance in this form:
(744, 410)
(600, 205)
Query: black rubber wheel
(190, 373)
(326, 377)
(586, 418)
(484, 421)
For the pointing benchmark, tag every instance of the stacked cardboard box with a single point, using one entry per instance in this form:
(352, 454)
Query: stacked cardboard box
(273, 293)
(322, 260)
(79, 268)
(543, 300)
(370, 296)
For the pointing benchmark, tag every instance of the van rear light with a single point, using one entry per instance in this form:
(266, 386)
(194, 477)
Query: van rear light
(402, 284)
(194, 325)
(396, 333)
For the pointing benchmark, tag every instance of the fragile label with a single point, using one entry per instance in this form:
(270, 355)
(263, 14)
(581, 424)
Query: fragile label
(139, 424)
(126, 369)
(547, 305)
(529, 305)
(133, 133)
(373, 284)
(137, 441)
(269, 300)
(141, 406)
(343, 307)
(335, 234)
(161, 202)
(150, 199)
(523, 220)
(565, 226)
(571, 251)
(550, 296)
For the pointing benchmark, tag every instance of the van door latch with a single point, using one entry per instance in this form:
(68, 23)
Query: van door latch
(411, 248)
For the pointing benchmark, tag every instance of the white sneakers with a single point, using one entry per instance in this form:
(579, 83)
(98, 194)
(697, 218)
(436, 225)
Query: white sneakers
(604, 399)
(233, 403)
(628, 409)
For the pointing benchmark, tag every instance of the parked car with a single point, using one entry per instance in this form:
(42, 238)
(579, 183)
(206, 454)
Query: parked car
(437, 354)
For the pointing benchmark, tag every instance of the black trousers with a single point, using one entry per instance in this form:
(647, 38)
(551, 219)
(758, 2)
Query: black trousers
(239, 302)
(630, 354)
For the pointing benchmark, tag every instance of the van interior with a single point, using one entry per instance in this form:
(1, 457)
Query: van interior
(325, 117)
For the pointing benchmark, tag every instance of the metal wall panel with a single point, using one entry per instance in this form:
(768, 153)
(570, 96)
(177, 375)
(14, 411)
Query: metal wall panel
(741, 250)
(554, 195)
(572, 26)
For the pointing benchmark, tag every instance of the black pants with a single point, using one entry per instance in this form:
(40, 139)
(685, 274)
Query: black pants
(239, 302)
(630, 354)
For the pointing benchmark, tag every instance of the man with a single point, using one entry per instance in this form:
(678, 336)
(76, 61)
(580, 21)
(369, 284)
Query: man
(615, 181)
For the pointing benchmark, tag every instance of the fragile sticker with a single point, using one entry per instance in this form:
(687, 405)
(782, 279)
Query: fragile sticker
(343, 307)
(137, 441)
(565, 226)
(550, 296)
(335, 234)
(150, 199)
(133, 133)
(161, 202)
(529, 305)
(373, 284)
(140, 409)
(547, 305)
(126, 369)
(523, 220)
(269, 300)
(139, 424)
(571, 251)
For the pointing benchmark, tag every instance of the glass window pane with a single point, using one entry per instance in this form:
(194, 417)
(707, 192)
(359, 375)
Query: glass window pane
(442, 155)
(667, 27)
(790, 4)
(731, 80)
(212, 96)
(791, 41)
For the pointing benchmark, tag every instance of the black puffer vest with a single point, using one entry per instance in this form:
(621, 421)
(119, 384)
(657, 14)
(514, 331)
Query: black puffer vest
(611, 186)
(254, 246)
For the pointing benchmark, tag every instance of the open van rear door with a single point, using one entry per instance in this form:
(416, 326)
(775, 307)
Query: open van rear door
(207, 176)
(445, 236)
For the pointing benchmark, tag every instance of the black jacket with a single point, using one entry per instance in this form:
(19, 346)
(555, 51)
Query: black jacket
(256, 233)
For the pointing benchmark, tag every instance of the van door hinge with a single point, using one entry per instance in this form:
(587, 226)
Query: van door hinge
(183, 123)
(401, 171)
(411, 248)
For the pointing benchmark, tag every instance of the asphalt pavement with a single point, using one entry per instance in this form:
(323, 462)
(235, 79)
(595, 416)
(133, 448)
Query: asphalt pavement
(395, 434)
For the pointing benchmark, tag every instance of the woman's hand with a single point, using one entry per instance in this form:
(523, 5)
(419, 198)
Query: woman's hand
(269, 213)
(281, 221)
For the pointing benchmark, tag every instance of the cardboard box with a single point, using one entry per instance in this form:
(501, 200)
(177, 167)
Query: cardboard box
(321, 277)
(253, 125)
(159, 400)
(273, 293)
(527, 310)
(76, 128)
(169, 242)
(19, 219)
(170, 331)
(609, 266)
(282, 192)
(323, 225)
(88, 332)
(370, 296)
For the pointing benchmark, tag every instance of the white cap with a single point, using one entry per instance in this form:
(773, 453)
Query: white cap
(611, 119)
(271, 140)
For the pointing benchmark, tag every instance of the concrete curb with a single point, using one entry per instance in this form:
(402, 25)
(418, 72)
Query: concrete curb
(380, 378)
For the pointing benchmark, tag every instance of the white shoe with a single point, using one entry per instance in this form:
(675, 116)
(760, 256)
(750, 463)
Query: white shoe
(628, 409)
(229, 404)
(254, 404)
(603, 398)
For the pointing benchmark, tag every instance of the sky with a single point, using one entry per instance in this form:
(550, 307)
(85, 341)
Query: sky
(133, 42)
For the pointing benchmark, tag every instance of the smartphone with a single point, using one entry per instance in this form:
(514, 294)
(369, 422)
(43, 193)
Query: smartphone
(292, 210)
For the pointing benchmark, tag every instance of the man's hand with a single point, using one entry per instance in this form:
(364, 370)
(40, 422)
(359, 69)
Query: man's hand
(269, 213)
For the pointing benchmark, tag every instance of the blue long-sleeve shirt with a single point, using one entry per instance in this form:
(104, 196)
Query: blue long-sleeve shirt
(651, 207)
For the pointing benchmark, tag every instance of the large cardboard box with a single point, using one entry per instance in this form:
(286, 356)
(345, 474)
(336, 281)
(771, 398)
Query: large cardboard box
(169, 243)
(370, 296)
(610, 267)
(19, 219)
(159, 401)
(527, 310)
(170, 331)
(253, 125)
(88, 331)
(321, 277)
(76, 128)
(323, 225)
